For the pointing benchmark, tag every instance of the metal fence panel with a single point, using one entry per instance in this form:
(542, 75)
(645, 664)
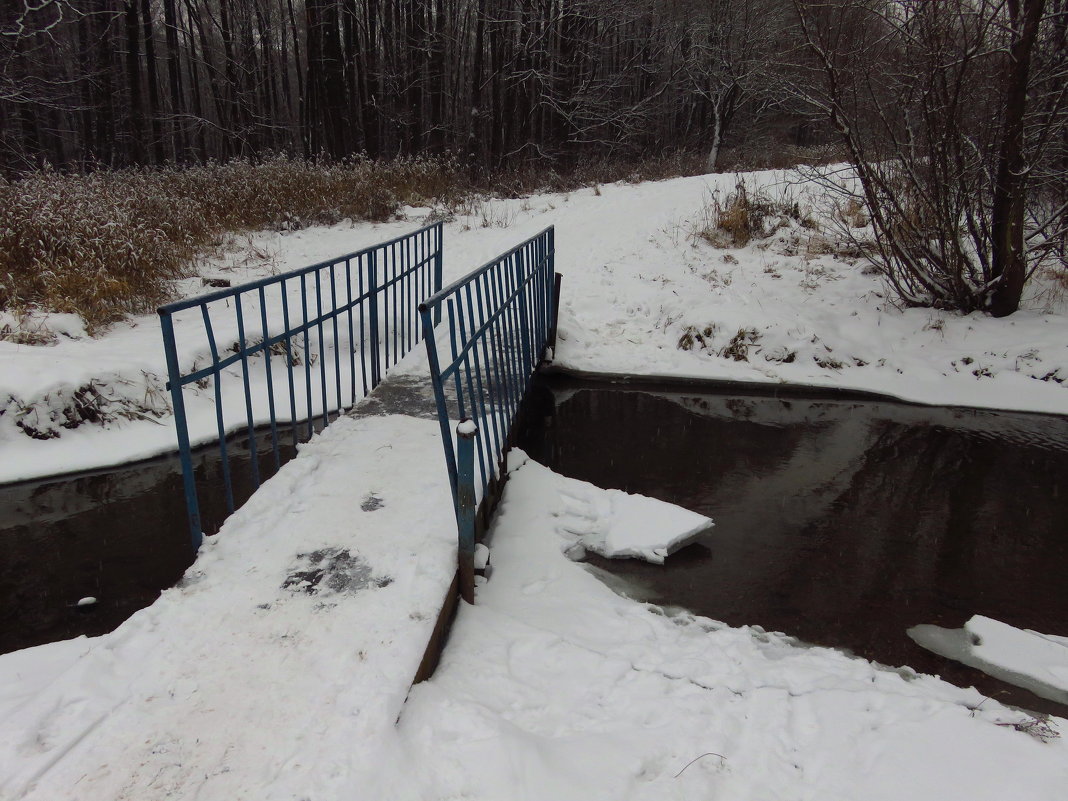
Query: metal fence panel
(277, 358)
(499, 322)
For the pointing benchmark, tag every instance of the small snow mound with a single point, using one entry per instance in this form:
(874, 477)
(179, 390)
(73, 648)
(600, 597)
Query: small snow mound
(516, 459)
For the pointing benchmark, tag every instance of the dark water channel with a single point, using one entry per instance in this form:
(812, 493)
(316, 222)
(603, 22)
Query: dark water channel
(840, 522)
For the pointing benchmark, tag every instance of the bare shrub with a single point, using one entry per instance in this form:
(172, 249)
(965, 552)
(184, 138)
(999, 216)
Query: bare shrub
(953, 117)
(771, 155)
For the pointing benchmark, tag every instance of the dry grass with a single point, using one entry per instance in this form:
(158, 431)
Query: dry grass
(761, 153)
(108, 244)
(745, 214)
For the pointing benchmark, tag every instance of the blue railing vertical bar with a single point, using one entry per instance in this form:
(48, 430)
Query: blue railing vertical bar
(296, 347)
(498, 323)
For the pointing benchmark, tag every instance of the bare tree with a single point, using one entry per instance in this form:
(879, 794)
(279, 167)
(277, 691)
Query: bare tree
(727, 52)
(119, 82)
(944, 120)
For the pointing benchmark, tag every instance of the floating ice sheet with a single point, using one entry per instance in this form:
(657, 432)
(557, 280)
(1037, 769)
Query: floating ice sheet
(1028, 659)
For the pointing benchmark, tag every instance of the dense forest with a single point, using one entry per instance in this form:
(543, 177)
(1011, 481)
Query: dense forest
(953, 114)
(121, 82)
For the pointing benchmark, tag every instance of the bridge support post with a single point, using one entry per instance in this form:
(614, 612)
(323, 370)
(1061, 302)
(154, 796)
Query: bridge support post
(466, 504)
(437, 271)
(372, 284)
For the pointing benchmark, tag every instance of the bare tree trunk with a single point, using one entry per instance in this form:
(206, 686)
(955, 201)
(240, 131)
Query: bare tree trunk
(153, 84)
(133, 80)
(1008, 257)
(174, 79)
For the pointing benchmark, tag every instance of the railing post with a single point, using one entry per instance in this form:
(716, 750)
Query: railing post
(466, 431)
(174, 384)
(372, 294)
(437, 270)
(439, 396)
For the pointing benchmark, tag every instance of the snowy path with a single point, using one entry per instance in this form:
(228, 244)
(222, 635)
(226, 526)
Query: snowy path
(555, 688)
(272, 671)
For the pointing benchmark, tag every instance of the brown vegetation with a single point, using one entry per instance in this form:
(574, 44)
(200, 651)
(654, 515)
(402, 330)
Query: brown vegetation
(108, 243)
(745, 214)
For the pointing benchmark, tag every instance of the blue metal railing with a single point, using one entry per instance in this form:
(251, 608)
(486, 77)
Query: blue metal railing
(500, 319)
(287, 347)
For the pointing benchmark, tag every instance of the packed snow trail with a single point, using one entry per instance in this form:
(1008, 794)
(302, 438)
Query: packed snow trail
(277, 665)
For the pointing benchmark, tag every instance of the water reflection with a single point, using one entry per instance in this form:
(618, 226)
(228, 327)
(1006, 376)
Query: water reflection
(120, 535)
(840, 522)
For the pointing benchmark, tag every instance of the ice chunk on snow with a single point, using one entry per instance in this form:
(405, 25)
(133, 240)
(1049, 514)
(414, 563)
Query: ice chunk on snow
(1028, 659)
(611, 523)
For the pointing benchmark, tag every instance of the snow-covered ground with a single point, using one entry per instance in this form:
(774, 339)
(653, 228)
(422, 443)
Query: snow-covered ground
(642, 294)
(278, 668)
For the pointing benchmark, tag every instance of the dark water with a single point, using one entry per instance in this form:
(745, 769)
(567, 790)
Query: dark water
(120, 535)
(842, 523)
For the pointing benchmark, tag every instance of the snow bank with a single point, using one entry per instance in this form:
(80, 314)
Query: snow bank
(554, 687)
(1036, 662)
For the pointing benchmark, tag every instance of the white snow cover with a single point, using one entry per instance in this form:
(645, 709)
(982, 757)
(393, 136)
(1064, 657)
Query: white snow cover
(636, 281)
(1037, 662)
(610, 522)
(278, 664)
(278, 668)
(554, 687)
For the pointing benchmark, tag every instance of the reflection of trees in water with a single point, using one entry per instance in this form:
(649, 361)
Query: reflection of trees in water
(120, 535)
